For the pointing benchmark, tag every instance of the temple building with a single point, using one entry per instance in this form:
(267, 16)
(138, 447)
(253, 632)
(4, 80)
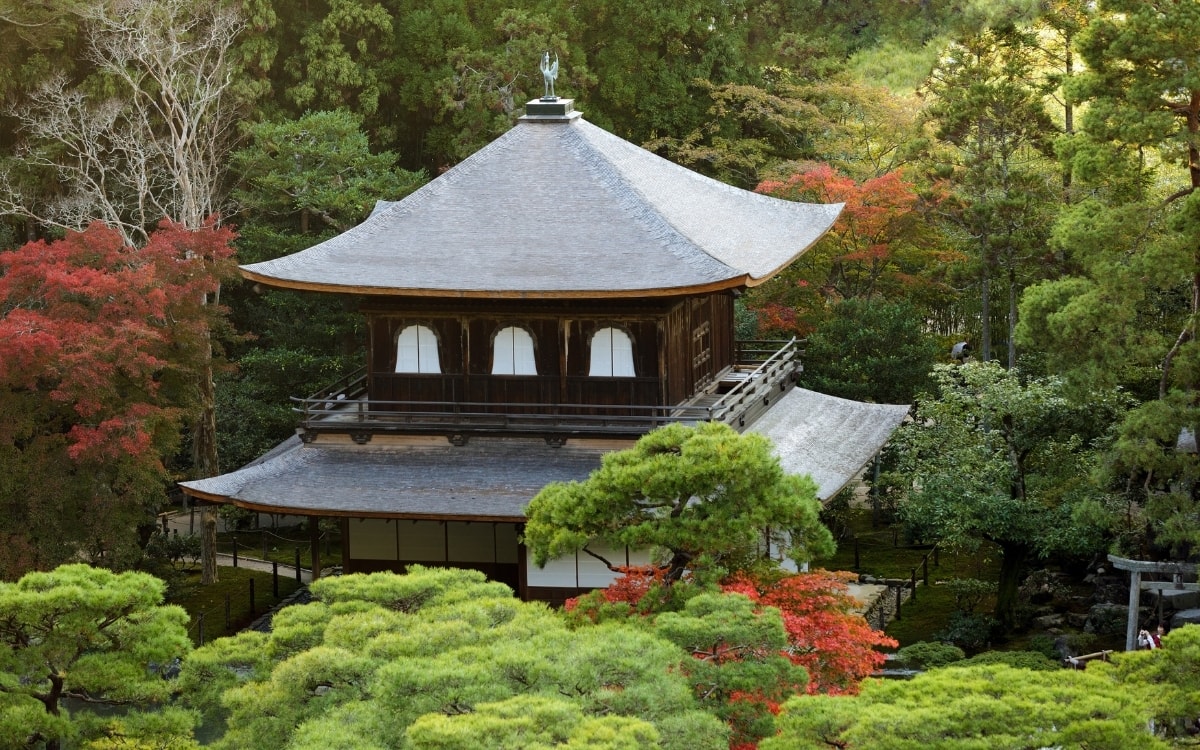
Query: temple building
(553, 297)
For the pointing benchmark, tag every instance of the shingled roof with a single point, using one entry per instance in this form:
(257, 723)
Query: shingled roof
(559, 208)
(828, 438)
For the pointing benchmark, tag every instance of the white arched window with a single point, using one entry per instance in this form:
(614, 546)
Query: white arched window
(417, 350)
(612, 354)
(512, 353)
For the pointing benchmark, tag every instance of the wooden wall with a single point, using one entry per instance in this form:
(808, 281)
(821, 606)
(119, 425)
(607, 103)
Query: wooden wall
(679, 345)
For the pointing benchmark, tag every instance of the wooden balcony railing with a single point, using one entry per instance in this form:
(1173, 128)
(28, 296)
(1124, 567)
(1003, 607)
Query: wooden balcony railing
(765, 371)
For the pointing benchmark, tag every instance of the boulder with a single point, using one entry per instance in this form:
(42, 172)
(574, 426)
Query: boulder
(1178, 599)
(1106, 619)
(1110, 589)
(1186, 617)
(1045, 622)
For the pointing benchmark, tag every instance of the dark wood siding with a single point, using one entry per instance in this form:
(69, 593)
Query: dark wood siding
(678, 344)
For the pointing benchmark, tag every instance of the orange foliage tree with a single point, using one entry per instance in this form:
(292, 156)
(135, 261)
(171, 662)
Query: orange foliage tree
(743, 683)
(825, 634)
(882, 246)
(100, 345)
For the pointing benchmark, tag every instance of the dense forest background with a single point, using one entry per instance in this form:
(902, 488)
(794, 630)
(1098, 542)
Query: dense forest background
(1020, 175)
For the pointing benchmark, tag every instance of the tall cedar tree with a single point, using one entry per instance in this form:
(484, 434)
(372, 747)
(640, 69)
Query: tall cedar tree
(100, 343)
(987, 106)
(1129, 316)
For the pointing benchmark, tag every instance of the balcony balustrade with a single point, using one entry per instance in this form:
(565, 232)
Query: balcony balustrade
(454, 405)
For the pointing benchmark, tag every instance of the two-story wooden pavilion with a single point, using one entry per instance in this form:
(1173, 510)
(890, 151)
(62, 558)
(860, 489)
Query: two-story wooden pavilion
(553, 297)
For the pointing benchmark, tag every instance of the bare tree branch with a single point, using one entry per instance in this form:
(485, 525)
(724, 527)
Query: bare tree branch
(157, 148)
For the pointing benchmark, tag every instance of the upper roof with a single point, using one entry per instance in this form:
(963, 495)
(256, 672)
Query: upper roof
(559, 208)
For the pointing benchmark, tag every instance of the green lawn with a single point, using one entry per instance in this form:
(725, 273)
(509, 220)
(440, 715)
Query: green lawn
(210, 601)
(883, 553)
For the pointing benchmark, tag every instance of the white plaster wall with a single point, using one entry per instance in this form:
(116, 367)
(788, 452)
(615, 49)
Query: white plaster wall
(423, 541)
(506, 543)
(372, 539)
(471, 542)
(581, 570)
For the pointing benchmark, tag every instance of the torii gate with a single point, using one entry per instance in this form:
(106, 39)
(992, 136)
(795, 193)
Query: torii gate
(1177, 570)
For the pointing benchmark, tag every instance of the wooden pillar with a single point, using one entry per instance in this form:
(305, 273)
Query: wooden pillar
(344, 528)
(314, 543)
(1135, 597)
(522, 565)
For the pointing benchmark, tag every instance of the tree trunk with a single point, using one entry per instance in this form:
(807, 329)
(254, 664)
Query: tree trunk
(1012, 566)
(985, 313)
(1012, 317)
(208, 545)
(204, 463)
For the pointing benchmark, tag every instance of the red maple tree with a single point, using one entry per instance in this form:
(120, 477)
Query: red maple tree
(880, 246)
(827, 636)
(100, 344)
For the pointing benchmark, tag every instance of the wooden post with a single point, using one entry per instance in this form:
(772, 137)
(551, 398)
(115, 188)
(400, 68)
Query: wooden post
(314, 541)
(298, 579)
(235, 551)
(913, 581)
(201, 624)
(875, 494)
(252, 596)
(925, 569)
(1135, 597)
(275, 579)
(208, 545)
(899, 594)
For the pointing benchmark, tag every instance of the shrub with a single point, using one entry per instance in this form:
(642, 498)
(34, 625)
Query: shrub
(928, 655)
(1032, 660)
(970, 632)
(969, 593)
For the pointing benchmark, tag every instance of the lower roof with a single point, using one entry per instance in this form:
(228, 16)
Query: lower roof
(494, 478)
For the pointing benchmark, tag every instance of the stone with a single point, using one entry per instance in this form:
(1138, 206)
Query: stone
(1046, 622)
(1077, 619)
(1106, 619)
(1180, 599)
(1186, 617)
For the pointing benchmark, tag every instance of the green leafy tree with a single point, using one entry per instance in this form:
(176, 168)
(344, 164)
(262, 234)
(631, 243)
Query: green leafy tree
(1171, 677)
(989, 117)
(995, 707)
(739, 669)
(319, 166)
(96, 638)
(705, 496)
(1129, 314)
(870, 350)
(376, 655)
(649, 58)
(533, 722)
(1001, 459)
